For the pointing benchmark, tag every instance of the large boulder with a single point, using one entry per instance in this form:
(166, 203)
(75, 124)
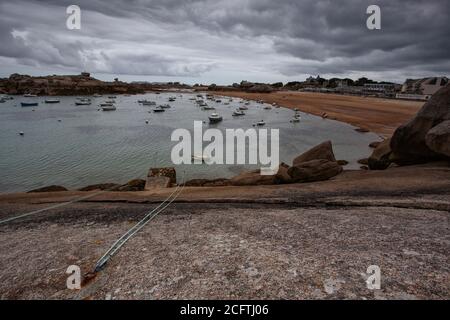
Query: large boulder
(254, 178)
(409, 141)
(282, 175)
(314, 170)
(321, 151)
(157, 183)
(168, 172)
(438, 138)
(380, 158)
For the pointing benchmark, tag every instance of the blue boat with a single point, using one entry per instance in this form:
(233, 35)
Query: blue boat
(29, 104)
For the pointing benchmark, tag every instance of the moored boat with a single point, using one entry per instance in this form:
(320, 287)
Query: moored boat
(29, 104)
(238, 113)
(158, 109)
(52, 101)
(215, 118)
(109, 108)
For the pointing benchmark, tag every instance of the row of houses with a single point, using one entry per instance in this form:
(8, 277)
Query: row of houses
(412, 89)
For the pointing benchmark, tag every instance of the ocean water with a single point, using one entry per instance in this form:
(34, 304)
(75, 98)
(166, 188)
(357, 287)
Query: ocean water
(89, 146)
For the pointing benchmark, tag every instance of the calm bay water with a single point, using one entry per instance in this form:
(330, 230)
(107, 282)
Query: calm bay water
(89, 146)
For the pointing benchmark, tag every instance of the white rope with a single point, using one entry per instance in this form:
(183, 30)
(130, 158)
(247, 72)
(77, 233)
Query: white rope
(138, 226)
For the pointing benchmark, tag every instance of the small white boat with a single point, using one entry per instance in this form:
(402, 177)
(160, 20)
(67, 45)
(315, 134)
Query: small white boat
(96, 95)
(83, 99)
(247, 103)
(203, 159)
(82, 103)
(29, 95)
(215, 118)
(219, 101)
(110, 101)
(261, 123)
(112, 97)
(238, 113)
(52, 101)
(2, 100)
(206, 107)
(165, 106)
(295, 119)
(109, 108)
(267, 108)
(243, 108)
(172, 99)
(106, 104)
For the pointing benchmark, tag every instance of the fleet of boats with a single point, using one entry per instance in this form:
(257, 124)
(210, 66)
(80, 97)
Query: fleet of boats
(109, 105)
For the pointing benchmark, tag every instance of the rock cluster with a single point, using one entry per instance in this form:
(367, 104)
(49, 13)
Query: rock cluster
(316, 164)
(424, 138)
(57, 85)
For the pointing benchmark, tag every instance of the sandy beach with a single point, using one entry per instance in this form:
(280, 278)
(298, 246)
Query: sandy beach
(381, 116)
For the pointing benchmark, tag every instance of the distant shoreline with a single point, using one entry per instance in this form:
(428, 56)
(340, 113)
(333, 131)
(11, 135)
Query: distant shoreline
(381, 116)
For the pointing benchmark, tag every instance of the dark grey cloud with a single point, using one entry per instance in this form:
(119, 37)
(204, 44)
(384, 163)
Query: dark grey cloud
(225, 39)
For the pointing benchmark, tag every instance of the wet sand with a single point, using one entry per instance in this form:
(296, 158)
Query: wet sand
(381, 116)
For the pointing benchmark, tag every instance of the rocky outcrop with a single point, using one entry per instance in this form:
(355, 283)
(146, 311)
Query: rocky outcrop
(261, 88)
(282, 175)
(49, 189)
(380, 158)
(253, 178)
(321, 151)
(157, 183)
(438, 138)
(64, 85)
(316, 164)
(101, 186)
(207, 183)
(161, 178)
(168, 172)
(314, 170)
(133, 185)
(342, 162)
(409, 145)
(374, 144)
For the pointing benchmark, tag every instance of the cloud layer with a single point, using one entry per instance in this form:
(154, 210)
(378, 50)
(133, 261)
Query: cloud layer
(227, 40)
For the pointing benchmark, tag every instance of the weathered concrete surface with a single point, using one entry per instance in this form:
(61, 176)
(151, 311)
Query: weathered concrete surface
(246, 252)
(301, 241)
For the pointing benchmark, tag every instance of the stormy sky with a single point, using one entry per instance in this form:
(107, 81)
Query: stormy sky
(225, 41)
